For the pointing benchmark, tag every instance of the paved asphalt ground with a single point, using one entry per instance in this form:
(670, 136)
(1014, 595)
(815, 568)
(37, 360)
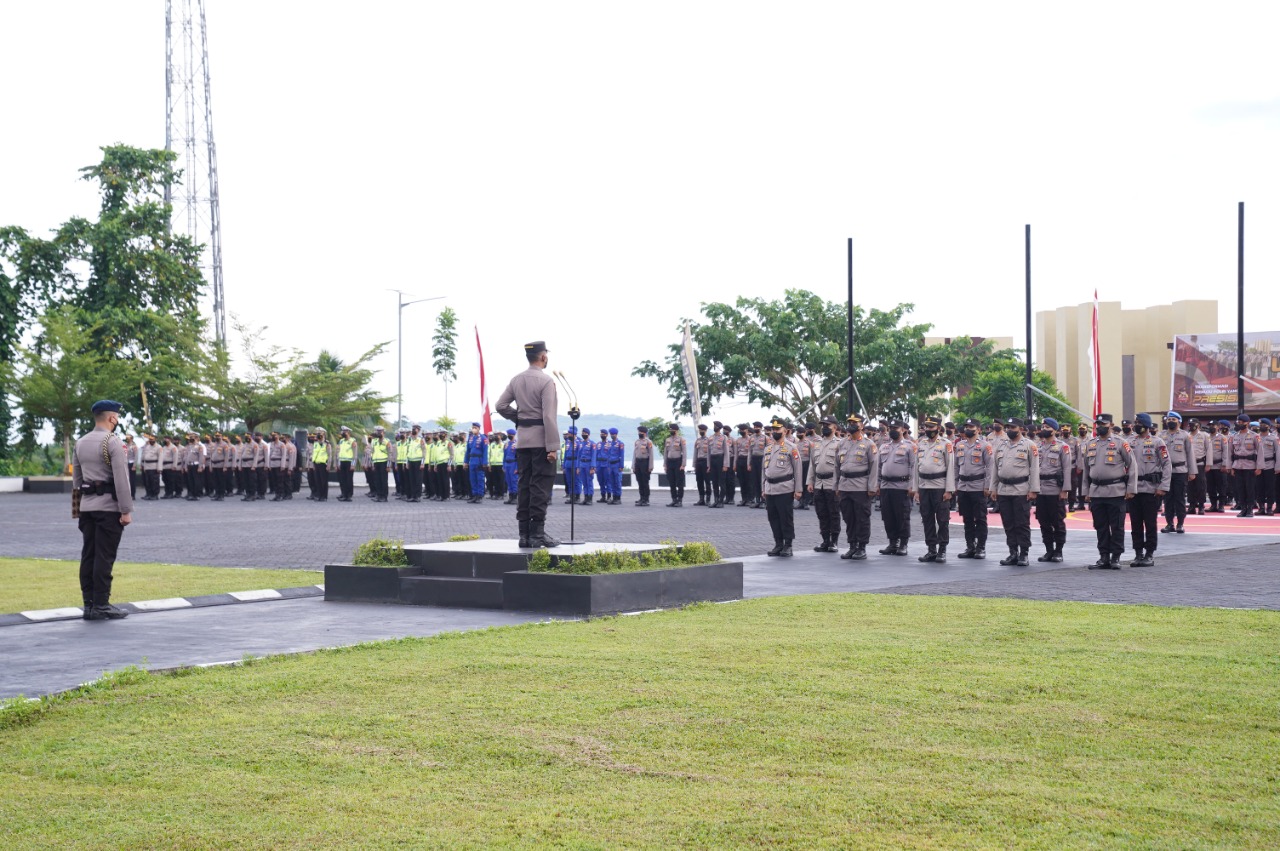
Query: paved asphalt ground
(1201, 568)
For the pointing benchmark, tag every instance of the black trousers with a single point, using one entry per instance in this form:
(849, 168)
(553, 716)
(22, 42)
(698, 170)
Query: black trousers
(193, 480)
(1175, 499)
(675, 479)
(100, 531)
(716, 472)
(729, 477)
(215, 476)
(346, 479)
(133, 482)
(321, 473)
(1108, 522)
(701, 478)
(395, 476)
(262, 481)
(1051, 514)
(973, 510)
(1197, 490)
(805, 497)
(442, 480)
(1246, 489)
(1015, 516)
(152, 480)
(641, 469)
(856, 508)
(380, 479)
(781, 509)
(757, 476)
(895, 510)
(1267, 489)
(228, 481)
(744, 480)
(826, 503)
(1077, 482)
(533, 494)
(415, 480)
(1144, 508)
(935, 517)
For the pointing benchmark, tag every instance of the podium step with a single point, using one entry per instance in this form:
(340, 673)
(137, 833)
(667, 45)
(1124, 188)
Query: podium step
(456, 591)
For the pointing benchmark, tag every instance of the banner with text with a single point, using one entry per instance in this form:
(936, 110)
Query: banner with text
(1204, 373)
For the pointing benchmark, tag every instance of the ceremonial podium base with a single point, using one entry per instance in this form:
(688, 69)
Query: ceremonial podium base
(494, 574)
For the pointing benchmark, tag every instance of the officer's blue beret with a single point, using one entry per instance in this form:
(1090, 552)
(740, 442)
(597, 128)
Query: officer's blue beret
(1143, 419)
(613, 431)
(586, 430)
(1051, 423)
(511, 432)
(106, 405)
(1242, 418)
(1223, 423)
(1173, 415)
(573, 429)
(475, 425)
(1264, 421)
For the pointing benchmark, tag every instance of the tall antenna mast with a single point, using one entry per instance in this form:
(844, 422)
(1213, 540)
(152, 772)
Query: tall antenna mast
(188, 132)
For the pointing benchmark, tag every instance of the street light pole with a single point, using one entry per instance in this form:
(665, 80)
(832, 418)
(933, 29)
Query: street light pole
(401, 304)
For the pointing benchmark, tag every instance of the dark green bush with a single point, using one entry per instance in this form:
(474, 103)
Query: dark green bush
(381, 552)
(606, 561)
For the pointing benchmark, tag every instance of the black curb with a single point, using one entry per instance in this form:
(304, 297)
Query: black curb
(200, 602)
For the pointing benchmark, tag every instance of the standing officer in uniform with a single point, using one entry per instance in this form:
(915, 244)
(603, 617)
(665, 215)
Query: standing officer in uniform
(101, 476)
(782, 485)
(587, 467)
(149, 458)
(569, 465)
(348, 454)
(1202, 452)
(934, 481)
(509, 467)
(702, 465)
(1152, 461)
(1015, 482)
(897, 460)
(1269, 449)
(218, 459)
(1182, 456)
(477, 462)
(530, 401)
(759, 443)
(742, 458)
(415, 449)
(973, 469)
(1056, 464)
(604, 467)
(320, 464)
(617, 457)
(804, 444)
(1110, 478)
(718, 466)
(288, 466)
(379, 455)
(675, 453)
(131, 457)
(1244, 465)
(642, 463)
(1077, 451)
(857, 480)
(823, 466)
(1218, 487)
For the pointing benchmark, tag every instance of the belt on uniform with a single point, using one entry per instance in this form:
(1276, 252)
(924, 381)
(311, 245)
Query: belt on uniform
(895, 478)
(775, 480)
(973, 478)
(98, 489)
(1057, 478)
(1244, 457)
(857, 475)
(823, 475)
(1153, 478)
(528, 423)
(941, 475)
(1102, 483)
(1176, 466)
(1016, 481)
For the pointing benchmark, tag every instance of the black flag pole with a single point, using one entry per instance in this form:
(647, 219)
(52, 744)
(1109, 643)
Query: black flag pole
(1240, 310)
(1030, 398)
(852, 409)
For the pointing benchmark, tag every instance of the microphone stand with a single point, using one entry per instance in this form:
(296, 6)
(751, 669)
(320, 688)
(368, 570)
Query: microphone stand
(574, 414)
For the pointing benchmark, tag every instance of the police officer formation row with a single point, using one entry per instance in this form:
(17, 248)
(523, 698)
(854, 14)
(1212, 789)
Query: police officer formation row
(433, 464)
(1116, 475)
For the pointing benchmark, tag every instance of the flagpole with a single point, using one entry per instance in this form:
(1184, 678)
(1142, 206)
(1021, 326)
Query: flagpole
(852, 387)
(1240, 310)
(1030, 398)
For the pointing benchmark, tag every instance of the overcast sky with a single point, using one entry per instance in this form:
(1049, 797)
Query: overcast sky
(588, 173)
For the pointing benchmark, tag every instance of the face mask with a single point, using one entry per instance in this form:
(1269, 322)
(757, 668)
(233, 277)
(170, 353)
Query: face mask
(1103, 431)
(1013, 434)
(932, 432)
(894, 434)
(1195, 426)
(1046, 434)
(1127, 429)
(777, 435)
(1142, 430)
(826, 432)
(757, 431)
(970, 432)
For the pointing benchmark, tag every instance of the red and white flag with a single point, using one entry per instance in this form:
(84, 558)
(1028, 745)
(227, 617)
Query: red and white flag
(1095, 361)
(487, 421)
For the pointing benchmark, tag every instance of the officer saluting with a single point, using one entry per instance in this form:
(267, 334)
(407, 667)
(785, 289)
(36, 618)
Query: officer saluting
(101, 477)
(530, 400)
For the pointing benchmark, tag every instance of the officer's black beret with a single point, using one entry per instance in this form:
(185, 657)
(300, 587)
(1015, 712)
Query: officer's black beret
(717, 424)
(107, 406)
(642, 429)
(702, 426)
(757, 424)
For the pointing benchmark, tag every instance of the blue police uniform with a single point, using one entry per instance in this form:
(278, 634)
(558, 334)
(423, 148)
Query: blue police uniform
(477, 460)
(570, 464)
(603, 465)
(617, 456)
(509, 467)
(586, 464)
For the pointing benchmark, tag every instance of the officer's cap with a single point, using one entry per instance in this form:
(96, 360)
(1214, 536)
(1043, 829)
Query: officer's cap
(346, 429)
(972, 422)
(932, 421)
(853, 419)
(572, 430)
(1103, 419)
(702, 426)
(1051, 423)
(1242, 418)
(1193, 421)
(810, 424)
(1173, 415)
(1143, 419)
(320, 430)
(475, 425)
(611, 431)
(776, 423)
(1016, 422)
(107, 406)
(1224, 423)
(511, 432)
(757, 424)
(948, 424)
(1264, 421)
(535, 348)
(586, 430)
(642, 429)
(380, 429)
(673, 426)
(897, 424)
(1126, 422)
(204, 437)
(828, 420)
(717, 425)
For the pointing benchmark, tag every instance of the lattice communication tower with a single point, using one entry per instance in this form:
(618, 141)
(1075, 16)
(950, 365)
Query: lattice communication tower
(188, 131)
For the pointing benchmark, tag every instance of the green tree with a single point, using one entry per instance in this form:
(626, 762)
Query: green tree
(446, 423)
(998, 391)
(791, 353)
(657, 432)
(62, 375)
(444, 351)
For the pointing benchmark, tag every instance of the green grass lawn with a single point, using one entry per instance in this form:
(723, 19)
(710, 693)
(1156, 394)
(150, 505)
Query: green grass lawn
(29, 583)
(834, 721)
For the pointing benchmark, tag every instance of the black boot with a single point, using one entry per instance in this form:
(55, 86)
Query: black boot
(524, 536)
(1022, 558)
(1011, 559)
(849, 554)
(891, 549)
(105, 611)
(700, 501)
(980, 551)
(930, 555)
(786, 550)
(1048, 555)
(941, 558)
(538, 536)
(860, 553)
(88, 607)
(824, 547)
(1056, 555)
(777, 548)
(968, 550)
(902, 548)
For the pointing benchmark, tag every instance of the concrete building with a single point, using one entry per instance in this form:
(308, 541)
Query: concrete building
(1137, 361)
